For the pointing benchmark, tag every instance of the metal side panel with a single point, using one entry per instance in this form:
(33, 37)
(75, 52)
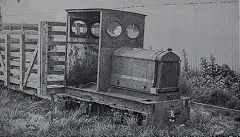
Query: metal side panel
(104, 68)
(133, 73)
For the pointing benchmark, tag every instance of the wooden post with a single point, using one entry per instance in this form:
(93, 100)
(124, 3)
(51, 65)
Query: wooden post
(0, 18)
(7, 61)
(22, 61)
(53, 106)
(51, 47)
(39, 61)
(43, 52)
(0, 15)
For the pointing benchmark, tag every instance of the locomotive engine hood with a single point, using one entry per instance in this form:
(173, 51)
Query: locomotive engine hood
(144, 70)
(146, 54)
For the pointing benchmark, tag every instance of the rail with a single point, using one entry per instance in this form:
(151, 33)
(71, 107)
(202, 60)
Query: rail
(215, 107)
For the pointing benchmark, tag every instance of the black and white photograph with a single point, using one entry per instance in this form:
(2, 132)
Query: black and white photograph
(119, 68)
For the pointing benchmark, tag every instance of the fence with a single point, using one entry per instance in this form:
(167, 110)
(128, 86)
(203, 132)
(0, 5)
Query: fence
(28, 59)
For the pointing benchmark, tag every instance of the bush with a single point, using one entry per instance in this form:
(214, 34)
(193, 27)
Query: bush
(216, 76)
(214, 84)
(220, 75)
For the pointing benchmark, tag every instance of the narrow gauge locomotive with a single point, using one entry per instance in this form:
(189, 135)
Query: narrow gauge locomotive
(107, 65)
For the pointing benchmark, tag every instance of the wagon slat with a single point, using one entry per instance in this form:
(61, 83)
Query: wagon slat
(19, 25)
(14, 80)
(30, 67)
(20, 32)
(56, 43)
(14, 71)
(56, 33)
(56, 53)
(57, 62)
(55, 72)
(56, 24)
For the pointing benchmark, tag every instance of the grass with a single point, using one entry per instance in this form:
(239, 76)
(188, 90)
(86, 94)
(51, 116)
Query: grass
(20, 115)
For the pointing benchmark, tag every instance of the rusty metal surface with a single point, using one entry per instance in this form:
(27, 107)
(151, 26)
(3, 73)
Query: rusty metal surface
(82, 63)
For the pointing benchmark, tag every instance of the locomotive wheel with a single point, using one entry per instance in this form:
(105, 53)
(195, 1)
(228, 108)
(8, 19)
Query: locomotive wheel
(71, 104)
(127, 118)
(118, 116)
(133, 119)
(67, 103)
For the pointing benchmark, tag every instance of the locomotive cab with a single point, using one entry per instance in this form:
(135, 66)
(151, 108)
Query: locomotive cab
(92, 37)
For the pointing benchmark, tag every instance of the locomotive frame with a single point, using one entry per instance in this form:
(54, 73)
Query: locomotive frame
(41, 59)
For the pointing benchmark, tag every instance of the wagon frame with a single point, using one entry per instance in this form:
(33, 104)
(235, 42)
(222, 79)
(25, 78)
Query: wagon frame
(27, 54)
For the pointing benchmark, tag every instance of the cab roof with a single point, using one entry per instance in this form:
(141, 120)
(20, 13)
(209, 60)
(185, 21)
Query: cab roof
(100, 9)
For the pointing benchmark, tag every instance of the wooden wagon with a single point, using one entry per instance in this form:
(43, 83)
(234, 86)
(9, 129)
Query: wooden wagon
(32, 57)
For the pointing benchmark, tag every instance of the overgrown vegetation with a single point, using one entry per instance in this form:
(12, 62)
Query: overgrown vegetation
(23, 116)
(214, 84)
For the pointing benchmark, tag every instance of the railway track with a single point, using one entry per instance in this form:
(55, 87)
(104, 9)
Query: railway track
(210, 107)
